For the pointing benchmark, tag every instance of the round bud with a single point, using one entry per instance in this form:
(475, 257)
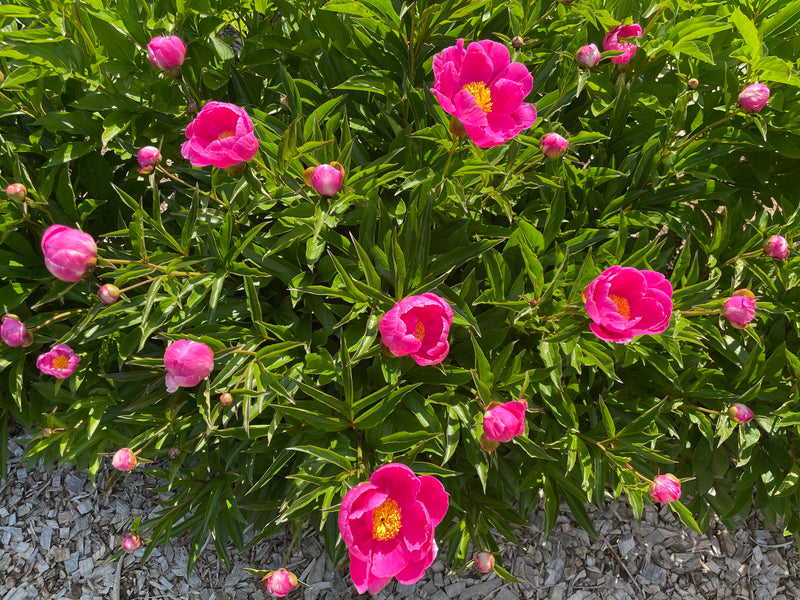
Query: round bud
(131, 542)
(484, 562)
(174, 453)
(225, 399)
(692, 83)
(46, 432)
(517, 42)
(16, 192)
(108, 294)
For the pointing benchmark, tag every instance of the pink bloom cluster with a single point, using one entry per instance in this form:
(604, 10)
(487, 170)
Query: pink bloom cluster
(624, 302)
(483, 89)
(221, 135)
(740, 308)
(612, 42)
(418, 326)
(387, 525)
(187, 363)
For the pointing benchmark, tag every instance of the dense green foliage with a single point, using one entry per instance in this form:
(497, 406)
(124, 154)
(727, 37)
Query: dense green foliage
(287, 287)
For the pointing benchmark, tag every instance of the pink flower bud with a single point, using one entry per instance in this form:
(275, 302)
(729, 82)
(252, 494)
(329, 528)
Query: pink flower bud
(740, 413)
(665, 488)
(692, 83)
(740, 308)
(588, 55)
(754, 97)
(554, 145)
(60, 362)
(16, 192)
(14, 332)
(517, 42)
(166, 53)
(174, 453)
(325, 179)
(776, 247)
(148, 158)
(131, 542)
(124, 459)
(503, 422)
(612, 42)
(187, 363)
(280, 582)
(69, 254)
(484, 562)
(108, 294)
(225, 399)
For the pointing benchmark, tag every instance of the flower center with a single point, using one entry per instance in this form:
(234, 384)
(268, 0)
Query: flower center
(60, 362)
(481, 94)
(419, 332)
(623, 307)
(226, 134)
(386, 521)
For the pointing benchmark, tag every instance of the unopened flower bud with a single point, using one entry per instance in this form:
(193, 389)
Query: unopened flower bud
(588, 55)
(484, 562)
(326, 179)
(46, 432)
(457, 127)
(280, 582)
(225, 399)
(754, 97)
(517, 42)
(284, 103)
(554, 145)
(148, 157)
(486, 444)
(665, 488)
(740, 308)
(124, 459)
(14, 332)
(2, 78)
(108, 294)
(776, 247)
(174, 453)
(692, 83)
(131, 542)
(16, 192)
(740, 413)
(192, 107)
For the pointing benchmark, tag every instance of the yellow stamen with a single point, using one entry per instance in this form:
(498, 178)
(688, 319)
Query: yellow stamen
(419, 332)
(481, 94)
(623, 307)
(226, 134)
(386, 521)
(60, 362)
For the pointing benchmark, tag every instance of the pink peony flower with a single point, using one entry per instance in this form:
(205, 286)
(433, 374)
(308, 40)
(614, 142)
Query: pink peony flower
(108, 294)
(16, 192)
(124, 459)
(325, 179)
(554, 145)
(188, 363)
(14, 332)
(484, 562)
(484, 90)
(502, 422)
(60, 362)
(628, 49)
(754, 97)
(740, 308)
(148, 157)
(740, 413)
(418, 326)
(665, 488)
(280, 582)
(69, 254)
(388, 526)
(131, 542)
(624, 302)
(167, 54)
(776, 247)
(221, 135)
(588, 55)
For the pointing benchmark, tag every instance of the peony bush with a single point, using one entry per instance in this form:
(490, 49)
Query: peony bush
(403, 273)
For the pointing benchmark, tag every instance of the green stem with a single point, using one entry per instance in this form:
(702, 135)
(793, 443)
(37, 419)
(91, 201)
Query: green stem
(58, 316)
